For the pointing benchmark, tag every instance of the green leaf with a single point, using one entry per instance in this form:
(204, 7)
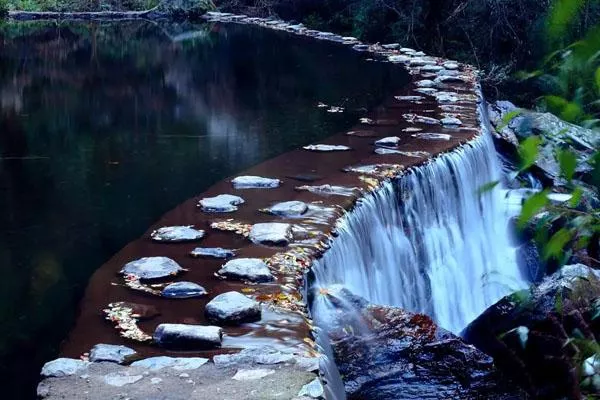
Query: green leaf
(509, 116)
(562, 14)
(557, 243)
(597, 76)
(528, 151)
(568, 162)
(532, 206)
(576, 199)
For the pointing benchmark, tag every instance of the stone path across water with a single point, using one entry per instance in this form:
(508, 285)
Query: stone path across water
(269, 213)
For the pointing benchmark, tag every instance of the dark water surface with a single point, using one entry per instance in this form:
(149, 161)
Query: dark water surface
(104, 127)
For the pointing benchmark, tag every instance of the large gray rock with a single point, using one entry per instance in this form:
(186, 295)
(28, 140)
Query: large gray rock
(177, 234)
(222, 203)
(152, 268)
(188, 336)
(272, 233)
(233, 308)
(251, 269)
(255, 182)
(63, 367)
(176, 363)
(183, 290)
(110, 353)
(288, 209)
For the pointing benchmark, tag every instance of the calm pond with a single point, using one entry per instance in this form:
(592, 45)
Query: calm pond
(105, 127)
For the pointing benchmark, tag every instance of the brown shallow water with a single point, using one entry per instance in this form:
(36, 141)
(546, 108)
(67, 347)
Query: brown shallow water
(277, 328)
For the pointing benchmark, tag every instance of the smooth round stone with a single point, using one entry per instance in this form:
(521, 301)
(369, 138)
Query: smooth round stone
(271, 233)
(425, 83)
(388, 141)
(177, 234)
(255, 182)
(215, 252)
(451, 121)
(221, 204)
(110, 353)
(183, 290)
(251, 269)
(233, 308)
(152, 268)
(188, 336)
(450, 65)
(289, 209)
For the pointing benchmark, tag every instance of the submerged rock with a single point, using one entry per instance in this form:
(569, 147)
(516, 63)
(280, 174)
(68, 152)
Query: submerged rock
(214, 252)
(221, 204)
(183, 290)
(394, 354)
(110, 353)
(529, 333)
(328, 190)
(63, 367)
(251, 269)
(326, 147)
(233, 308)
(271, 233)
(188, 336)
(177, 234)
(255, 182)
(288, 209)
(152, 268)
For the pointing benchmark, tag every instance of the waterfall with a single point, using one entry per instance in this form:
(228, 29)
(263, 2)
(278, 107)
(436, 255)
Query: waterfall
(431, 241)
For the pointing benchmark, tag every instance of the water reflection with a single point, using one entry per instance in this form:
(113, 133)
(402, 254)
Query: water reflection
(105, 127)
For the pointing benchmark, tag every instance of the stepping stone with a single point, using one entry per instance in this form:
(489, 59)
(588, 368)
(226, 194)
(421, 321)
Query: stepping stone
(441, 80)
(152, 268)
(214, 252)
(63, 367)
(326, 147)
(183, 290)
(288, 209)
(221, 204)
(425, 83)
(188, 336)
(177, 234)
(431, 68)
(176, 363)
(306, 177)
(391, 46)
(432, 136)
(110, 353)
(429, 91)
(255, 182)
(328, 190)
(385, 151)
(365, 134)
(399, 59)
(388, 141)
(251, 269)
(450, 65)
(451, 121)
(409, 98)
(233, 308)
(446, 97)
(271, 233)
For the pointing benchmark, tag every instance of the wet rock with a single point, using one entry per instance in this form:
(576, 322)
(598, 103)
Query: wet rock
(110, 353)
(250, 269)
(183, 290)
(152, 268)
(431, 68)
(414, 118)
(288, 209)
(188, 336)
(214, 252)
(362, 133)
(391, 46)
(255, 182)
(419, 62)
(220, 204)
(446, 97)
(451, 121)
(399, 59)
(120, 380)
(63, 367)
(306, 177)
(528, 332)
(432, 136)
(233, 308)
(176, 363)
(442, 80)
(386, 151)
(412, 99)
(529, 261)
(378, 122)
(326, 148)
(425, 83)
(387, 353)
(313, 389)
(265, 355)
(388, 141)
(271, 233)
(177, 234)
(450, 65)
(329, 190)
(414, 154)
(429, 91)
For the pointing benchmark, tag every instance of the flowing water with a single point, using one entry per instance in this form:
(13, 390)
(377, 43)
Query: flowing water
(104, 127)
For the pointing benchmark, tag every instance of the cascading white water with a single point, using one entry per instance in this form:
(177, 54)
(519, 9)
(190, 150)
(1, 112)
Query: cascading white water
(430, 242)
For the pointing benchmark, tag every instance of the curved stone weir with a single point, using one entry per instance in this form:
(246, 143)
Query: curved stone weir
(404, 242)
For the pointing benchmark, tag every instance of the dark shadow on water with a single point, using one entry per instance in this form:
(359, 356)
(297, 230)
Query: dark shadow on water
(104, 127)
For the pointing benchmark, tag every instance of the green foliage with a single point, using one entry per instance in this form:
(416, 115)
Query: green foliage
(3, 8)
(529, 151)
